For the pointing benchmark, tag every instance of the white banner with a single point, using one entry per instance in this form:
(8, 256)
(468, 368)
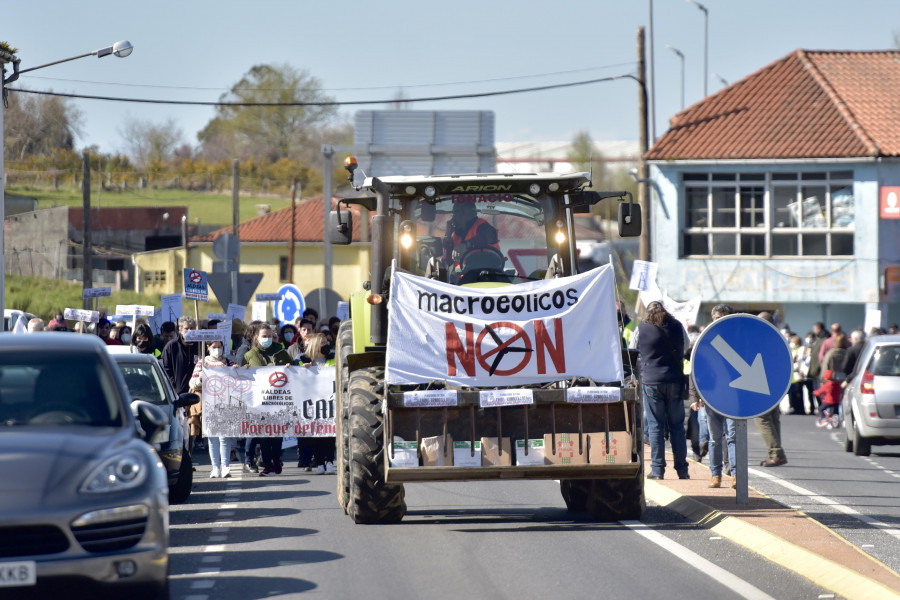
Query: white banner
(268, 402)
(532, 332)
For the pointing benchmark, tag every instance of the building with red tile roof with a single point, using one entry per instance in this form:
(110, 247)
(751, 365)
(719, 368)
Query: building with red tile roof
(782, 191)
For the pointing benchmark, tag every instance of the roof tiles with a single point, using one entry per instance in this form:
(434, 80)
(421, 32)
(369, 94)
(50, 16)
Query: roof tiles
(809, 104)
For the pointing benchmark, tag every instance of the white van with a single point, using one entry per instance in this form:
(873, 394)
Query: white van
(11, 316)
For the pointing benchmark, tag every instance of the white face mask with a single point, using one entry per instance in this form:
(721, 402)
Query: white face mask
(125, 338)
(265, 342)
(288, 337)
(215, 352)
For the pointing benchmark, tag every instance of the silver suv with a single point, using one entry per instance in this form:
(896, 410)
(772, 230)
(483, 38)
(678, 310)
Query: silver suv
(84, 500)
(871, 401)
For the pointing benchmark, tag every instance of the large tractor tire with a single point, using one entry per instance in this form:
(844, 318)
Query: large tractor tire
(344, 348)
(371, 500)
(610, 499)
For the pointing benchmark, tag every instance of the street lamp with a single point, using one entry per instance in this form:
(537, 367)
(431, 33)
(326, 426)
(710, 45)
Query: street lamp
(681, 56)
(705, 40)
(120, 49)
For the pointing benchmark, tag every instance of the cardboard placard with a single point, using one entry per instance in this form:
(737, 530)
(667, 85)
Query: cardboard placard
(404, 454)
(491, 455)
(463, 455)
(566, 451)
(619, 448)
(435, 453)
(535, 454)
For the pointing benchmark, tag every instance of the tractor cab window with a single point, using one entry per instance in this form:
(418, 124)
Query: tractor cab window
(500, 237)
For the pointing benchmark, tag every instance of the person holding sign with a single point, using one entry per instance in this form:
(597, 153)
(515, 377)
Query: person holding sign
(265, 353)
(219, 447)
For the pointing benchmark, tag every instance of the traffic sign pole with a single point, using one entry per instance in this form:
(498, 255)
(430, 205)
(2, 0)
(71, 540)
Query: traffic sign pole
(742, 495)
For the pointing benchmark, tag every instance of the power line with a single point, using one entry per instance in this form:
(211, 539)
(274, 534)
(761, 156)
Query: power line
(332, 102)
(383, 87)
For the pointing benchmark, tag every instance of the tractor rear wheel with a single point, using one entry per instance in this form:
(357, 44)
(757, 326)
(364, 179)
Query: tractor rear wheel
(342, 428)
(371, 500)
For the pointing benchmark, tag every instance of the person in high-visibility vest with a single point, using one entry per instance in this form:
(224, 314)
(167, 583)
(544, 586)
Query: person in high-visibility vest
(468, 233)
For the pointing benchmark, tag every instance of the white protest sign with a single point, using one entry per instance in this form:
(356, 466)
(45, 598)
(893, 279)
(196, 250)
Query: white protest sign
(224, 328)
(236, 311)
(217, 316)
(98, 292)
(171, 308)
(642, 274)
(196, 286)
(77, 314)
(258, 311)
(268, 402)
(135, 310)
(873, 319)
(343, 311)
(532, 332)
(685, 312)
(593, 395)
(268, 297)
(203, 335)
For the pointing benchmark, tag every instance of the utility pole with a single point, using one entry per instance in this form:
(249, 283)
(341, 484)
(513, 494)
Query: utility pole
(328, 258)
(87, 274)
(290, 267)
(643, 192)
(235, 219)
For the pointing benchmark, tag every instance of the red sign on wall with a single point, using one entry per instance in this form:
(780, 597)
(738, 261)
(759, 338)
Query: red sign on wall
(890, 202)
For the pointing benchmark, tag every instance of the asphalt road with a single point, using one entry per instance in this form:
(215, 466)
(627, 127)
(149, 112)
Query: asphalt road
(858, 497)
(280, 537)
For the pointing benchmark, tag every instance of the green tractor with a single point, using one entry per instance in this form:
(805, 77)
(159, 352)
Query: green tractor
(457, 341)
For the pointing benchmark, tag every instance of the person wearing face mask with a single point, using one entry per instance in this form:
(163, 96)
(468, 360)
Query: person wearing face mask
(219, 447)
(288, 334)
(143, 340)
(265, 353)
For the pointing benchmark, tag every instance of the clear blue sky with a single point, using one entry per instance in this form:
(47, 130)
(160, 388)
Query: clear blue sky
(195, 50)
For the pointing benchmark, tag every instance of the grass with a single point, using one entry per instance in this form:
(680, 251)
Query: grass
(209, 207)
(43, 297)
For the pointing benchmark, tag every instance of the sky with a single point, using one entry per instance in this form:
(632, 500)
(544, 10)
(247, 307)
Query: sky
(195, 50)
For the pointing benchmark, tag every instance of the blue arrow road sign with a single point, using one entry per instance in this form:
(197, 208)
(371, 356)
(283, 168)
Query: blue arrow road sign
(291, 304)
(741, 365)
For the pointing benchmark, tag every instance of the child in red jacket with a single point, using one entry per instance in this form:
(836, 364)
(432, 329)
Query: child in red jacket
(830, 392)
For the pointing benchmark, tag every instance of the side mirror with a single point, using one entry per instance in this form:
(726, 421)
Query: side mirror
(340, 227)
(629, 219)
(150, 419)
(427, 212)
(186, 399)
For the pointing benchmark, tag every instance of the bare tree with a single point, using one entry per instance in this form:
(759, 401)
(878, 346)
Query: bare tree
(39, 125)
(150, 144)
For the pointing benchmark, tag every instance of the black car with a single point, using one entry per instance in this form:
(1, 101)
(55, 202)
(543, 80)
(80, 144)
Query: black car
(146, 380)
(83, 501)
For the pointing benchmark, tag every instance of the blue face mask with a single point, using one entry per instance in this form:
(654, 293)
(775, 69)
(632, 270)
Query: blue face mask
(265, 342)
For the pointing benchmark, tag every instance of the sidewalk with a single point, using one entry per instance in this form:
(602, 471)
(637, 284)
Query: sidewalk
(783, 535)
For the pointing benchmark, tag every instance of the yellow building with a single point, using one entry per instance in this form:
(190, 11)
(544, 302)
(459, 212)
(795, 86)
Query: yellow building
(265, 248)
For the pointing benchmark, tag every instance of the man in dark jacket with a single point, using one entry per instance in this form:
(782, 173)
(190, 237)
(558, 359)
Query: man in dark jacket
(179, 357)
(661, 342)
(851, 357)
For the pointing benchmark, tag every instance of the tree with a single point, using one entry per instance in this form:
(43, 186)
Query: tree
(268, 133)
(151, 144)
(40, 125)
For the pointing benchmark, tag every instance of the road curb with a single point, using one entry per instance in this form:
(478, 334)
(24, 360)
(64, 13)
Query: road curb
(818, 569)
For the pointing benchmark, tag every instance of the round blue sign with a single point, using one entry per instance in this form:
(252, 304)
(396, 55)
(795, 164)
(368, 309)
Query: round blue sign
(291, 305)
(741, 366)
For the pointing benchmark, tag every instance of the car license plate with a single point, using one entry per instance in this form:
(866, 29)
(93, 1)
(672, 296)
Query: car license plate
(13, 574)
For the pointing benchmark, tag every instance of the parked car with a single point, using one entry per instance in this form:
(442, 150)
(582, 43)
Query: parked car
(84, 499)
(871, 400)
(146, 380)
(11, 316)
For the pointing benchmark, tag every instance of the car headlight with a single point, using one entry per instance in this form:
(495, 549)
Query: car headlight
(116, 474)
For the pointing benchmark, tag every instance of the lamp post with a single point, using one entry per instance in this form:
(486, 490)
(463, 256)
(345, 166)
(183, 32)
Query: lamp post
(681, 56)
(705, 40)
(120, 49)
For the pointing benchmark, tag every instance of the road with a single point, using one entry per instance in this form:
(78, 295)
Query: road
(278, 537)
(853, 495)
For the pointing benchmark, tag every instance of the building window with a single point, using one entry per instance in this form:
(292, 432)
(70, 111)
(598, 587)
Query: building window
(768, 215)
(282, 268)
(154, 278)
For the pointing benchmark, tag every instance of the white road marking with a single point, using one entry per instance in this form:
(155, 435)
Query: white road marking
(216, 548)
(203, 584)
(842, 508)
(731, 581)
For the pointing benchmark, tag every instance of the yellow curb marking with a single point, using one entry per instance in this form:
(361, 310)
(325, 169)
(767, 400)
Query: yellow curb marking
(818, 569)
